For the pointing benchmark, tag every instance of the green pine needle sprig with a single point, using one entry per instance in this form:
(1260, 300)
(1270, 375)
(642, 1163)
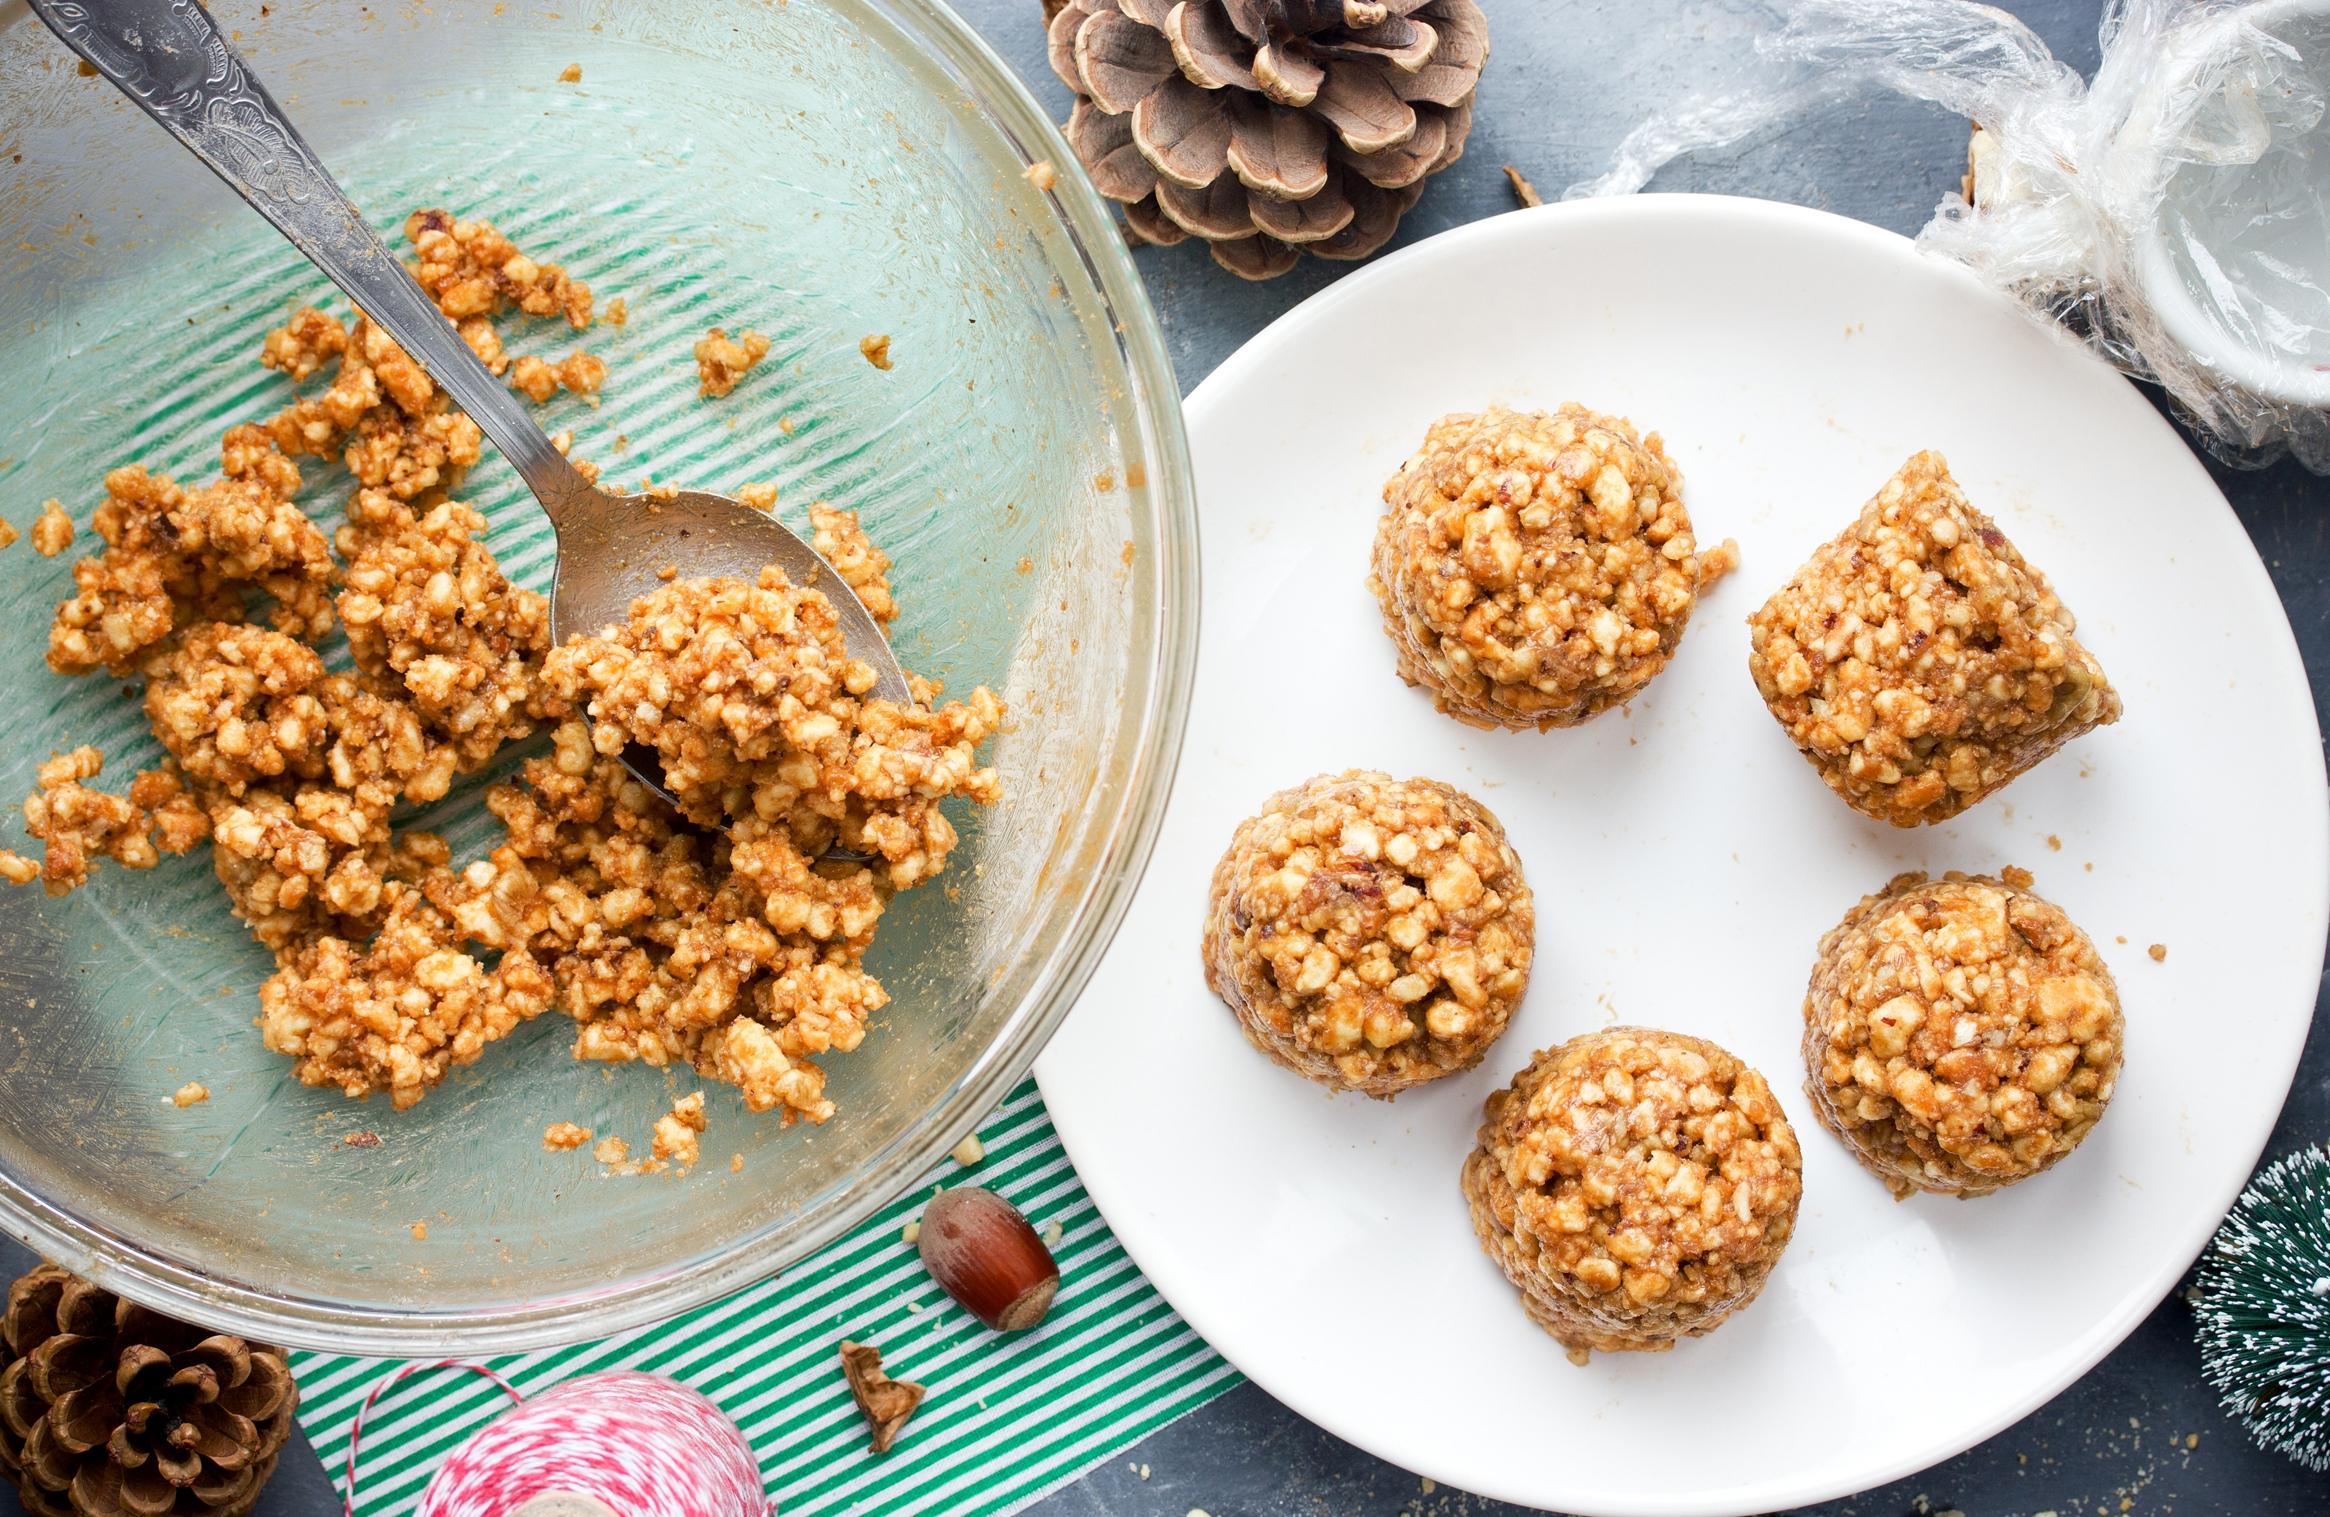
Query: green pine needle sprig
(2262, 1300)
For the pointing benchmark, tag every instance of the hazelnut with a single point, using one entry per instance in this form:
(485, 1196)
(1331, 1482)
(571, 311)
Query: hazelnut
(983, 1253)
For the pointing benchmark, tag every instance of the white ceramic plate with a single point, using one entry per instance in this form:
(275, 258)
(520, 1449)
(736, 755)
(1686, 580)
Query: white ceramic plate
(1686, 861)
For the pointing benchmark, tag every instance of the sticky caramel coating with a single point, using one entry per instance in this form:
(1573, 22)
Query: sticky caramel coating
(1535, 570)
(1636, 1187)
(1918, 661)
(1960, 1034)
(1369, 933)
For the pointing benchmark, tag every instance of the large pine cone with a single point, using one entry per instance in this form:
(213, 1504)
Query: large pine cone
(1268, 127)
(109, 1409)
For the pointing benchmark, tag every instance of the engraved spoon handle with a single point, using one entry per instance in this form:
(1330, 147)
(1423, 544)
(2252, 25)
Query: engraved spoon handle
(169, 58)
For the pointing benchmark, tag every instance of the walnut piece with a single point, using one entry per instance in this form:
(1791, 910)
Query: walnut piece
(1960, 1034)
(1918, 661)
(1636, 1186)
(1535, 570)
(1370, 934)
(886, 1404)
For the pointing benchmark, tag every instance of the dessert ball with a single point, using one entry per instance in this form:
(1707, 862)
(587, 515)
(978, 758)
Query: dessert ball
(1960, 1034)
(1536, 570)
(1637, 1187)
(1918, 661)
(1370, 933)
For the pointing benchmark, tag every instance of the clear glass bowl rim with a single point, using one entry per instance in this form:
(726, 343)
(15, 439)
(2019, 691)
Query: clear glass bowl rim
(173, 1286)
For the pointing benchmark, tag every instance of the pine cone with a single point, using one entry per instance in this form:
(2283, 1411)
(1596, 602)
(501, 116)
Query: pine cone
(109, 1409)
(1267, 127)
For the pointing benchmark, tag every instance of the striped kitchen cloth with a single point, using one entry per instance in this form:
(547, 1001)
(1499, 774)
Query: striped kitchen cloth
(1009, 1416)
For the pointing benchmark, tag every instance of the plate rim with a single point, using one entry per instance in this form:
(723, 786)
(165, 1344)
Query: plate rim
(2282, 661)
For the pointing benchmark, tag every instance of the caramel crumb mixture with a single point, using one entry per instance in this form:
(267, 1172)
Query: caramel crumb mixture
(876, 349)
(52, 530)
(1041, 174)
(1960, 1034)
(841, 542)
(761, 497)
(1536, 569)
(420, 1231)
(1369, 933)
(618, 312)
(78, 825)
(611, 1151)
(562, 1137)
(1636, 1186)
(192, 1093)
(2159, 952)
(571, 74)
(679, 1132)
(729, 944)
(1919, 661)
(8, 533)
(721, 360)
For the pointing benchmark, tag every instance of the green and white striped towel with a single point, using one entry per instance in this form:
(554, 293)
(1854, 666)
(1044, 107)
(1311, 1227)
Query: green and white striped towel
(1008, 1417)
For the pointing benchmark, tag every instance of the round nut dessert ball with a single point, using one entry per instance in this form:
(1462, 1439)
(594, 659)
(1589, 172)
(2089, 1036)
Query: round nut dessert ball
(1960, 1034)
(1537, 570)
(1636, 1186)
(1370, 933)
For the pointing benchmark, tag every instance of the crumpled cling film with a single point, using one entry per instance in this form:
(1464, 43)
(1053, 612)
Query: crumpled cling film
(2173, 212)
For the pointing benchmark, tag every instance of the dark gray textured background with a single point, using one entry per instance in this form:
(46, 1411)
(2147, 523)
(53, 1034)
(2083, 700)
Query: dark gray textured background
(2141, 1433)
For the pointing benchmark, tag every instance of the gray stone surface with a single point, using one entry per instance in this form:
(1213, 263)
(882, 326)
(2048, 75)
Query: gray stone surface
(2140, 1433)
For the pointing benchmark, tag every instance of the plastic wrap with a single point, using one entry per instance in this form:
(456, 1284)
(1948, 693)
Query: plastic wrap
(2173, 211)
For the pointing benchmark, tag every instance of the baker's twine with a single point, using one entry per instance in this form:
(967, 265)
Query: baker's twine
(641, 1445)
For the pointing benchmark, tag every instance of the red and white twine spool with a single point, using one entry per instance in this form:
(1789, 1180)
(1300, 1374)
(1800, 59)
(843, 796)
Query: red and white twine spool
(619, 1444)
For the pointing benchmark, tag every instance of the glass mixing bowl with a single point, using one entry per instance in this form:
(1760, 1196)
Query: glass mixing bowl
(822, 170)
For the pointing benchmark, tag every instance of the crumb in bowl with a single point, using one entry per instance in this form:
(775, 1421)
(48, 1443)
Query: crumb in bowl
(1636, 1186)
(1368, 933)
(1960, 1034)
(561, 1137)
(1919, 661)
(721, 360)
(1535, 570)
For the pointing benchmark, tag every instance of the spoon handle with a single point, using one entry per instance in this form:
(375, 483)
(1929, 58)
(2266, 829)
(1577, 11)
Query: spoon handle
(169, 58)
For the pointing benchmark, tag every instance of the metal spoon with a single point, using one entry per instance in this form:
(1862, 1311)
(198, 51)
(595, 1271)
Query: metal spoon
(169, 58)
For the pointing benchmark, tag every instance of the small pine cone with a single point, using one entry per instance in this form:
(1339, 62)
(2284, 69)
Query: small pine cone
(1268, 127)
(108, 1409)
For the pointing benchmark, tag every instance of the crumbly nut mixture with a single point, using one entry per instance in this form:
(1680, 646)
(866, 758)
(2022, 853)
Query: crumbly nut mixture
(52, 530)
(560, 1137)
(430, 616)
(721, 360)
(1918, 661)
(1369, 933)
(841, 542)
(192, 1093)
(1636, 1186)
(174, 556)
(77, 825)
(1535, 570)
(396, 1013)
(731, 945)
(876, 349)
(750, 697)
(579, 373)
(8, 533)
(470, 269)
(1960, 1034)
(679, 1133)
(763, 497)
